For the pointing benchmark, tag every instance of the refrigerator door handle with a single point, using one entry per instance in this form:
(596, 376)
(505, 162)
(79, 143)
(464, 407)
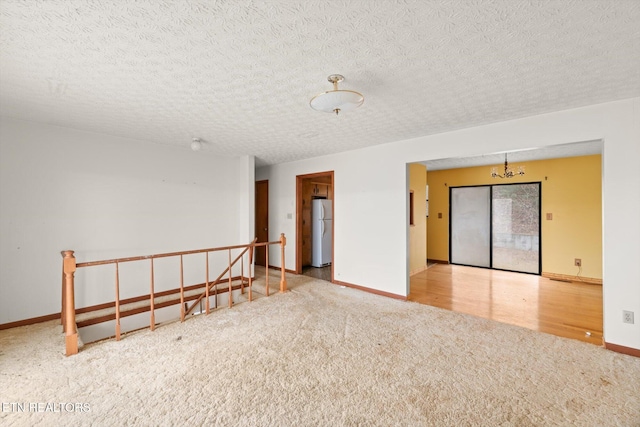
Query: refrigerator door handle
(322, 228)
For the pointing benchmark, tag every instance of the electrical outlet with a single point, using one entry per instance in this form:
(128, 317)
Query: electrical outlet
(627, 316)
(577, 262)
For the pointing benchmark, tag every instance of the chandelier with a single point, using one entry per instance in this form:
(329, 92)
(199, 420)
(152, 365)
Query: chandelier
(336, 100)
(508, 173)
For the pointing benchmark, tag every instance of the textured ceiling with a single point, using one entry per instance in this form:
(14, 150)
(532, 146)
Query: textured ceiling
(240, 74)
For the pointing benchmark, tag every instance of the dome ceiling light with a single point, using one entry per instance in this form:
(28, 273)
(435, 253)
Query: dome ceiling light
(336, 100)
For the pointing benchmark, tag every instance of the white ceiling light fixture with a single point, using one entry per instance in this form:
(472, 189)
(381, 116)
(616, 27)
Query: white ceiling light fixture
(336, 100)
(196, 144)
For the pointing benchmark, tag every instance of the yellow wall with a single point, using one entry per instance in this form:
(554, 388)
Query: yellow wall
(571, 191)
(418, 231)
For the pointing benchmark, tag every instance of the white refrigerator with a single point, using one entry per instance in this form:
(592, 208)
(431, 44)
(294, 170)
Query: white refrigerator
(321, 232)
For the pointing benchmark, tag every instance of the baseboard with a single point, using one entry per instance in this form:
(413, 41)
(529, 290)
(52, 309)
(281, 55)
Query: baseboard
(31, 321)
(147, 308)
(418, 270)
(436, 261)
(57, 316)
(54, 316)
(622, 349)
(569, 278)
(286, 270)
(370, 290)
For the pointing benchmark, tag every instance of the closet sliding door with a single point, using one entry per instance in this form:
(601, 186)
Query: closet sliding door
(470, 226)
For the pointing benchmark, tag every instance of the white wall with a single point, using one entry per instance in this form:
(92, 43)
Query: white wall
(246, 175)
(362, 207)
(371, 210)
(107, 197)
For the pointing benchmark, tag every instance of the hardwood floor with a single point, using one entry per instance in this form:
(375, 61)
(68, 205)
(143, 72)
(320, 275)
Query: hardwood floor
(322, 273)
(566, 309)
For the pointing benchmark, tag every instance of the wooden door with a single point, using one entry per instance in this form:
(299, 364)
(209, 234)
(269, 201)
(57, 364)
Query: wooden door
(262, 219)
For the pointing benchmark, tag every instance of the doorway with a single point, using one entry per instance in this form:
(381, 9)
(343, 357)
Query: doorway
(496, 226)
(558, 196)
(310, 187)
(262, 220)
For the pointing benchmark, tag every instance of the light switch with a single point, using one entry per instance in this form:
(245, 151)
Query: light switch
(439, 215)
(549, 216)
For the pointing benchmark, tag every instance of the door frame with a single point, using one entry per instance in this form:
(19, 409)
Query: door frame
(299, 183)
(261, 182)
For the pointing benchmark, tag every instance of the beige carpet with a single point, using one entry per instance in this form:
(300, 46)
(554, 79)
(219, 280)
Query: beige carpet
(319, 355)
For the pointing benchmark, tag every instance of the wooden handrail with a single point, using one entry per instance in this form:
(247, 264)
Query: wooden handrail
(69, 266)
(170, 254)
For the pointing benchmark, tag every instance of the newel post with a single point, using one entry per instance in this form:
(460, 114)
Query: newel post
(69, 309)
(283, 281)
